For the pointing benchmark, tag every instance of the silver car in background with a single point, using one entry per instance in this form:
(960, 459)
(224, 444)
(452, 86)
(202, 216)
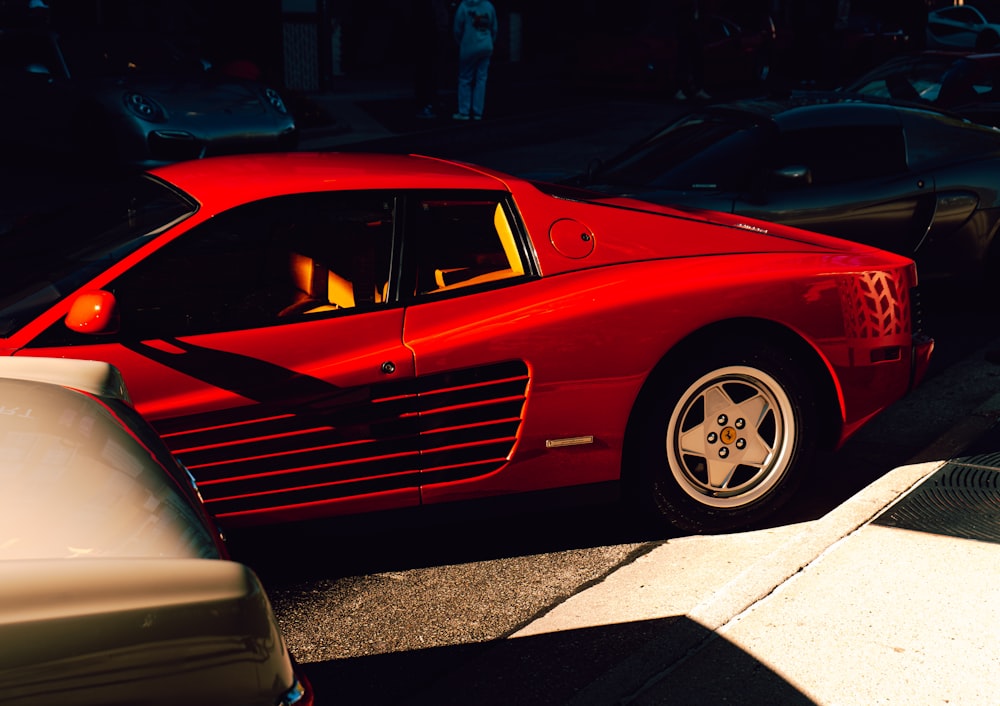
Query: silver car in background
(115, 587)
(130, 99)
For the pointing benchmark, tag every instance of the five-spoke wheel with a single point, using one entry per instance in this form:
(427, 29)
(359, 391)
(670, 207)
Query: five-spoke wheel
(726, 437)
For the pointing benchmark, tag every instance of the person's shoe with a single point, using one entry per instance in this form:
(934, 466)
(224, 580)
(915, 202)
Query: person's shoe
(427, 113)
(459, 116)
(477, 117)
(680, 96)
(702, 95)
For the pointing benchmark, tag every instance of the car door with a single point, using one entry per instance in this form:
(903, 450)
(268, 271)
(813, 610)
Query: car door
(263, 346)
(850, 181)
(465, 264)
(518, 388)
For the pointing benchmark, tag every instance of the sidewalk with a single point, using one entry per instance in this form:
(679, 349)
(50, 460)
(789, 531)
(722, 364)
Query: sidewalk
(890, 598)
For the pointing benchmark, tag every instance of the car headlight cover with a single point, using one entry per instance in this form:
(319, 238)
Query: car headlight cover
(275, 100)
(144, 107)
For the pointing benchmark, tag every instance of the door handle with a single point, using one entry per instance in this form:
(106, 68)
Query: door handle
(388, 367)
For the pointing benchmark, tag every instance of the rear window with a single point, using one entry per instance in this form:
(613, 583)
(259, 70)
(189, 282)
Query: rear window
(937, 138)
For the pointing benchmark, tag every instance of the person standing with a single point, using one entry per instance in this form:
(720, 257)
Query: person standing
(475, 29)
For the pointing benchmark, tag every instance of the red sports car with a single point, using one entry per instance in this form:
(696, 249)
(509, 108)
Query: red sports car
(325, 334)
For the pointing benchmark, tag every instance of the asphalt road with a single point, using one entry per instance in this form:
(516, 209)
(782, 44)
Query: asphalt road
(378, 609)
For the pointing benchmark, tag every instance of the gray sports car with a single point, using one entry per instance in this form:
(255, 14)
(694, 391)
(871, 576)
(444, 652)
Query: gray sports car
(130, 99)
(910, 180)
(114, 584)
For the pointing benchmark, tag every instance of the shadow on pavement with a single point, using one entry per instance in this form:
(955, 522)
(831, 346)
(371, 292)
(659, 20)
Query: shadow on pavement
(558, 668)
(427, 537)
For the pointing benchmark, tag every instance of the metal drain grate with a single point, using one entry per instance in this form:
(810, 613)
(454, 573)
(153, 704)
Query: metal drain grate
(962, 499)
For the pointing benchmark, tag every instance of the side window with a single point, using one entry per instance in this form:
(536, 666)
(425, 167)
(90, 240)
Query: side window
(936, 138)
(269, 262)
(461, 242)
(838, 155)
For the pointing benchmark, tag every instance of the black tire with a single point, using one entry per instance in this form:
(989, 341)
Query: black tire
(725, 438)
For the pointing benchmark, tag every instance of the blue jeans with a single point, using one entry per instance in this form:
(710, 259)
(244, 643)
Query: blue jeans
(472, 85)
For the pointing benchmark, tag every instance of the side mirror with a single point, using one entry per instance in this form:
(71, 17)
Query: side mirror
(94, 312)
(792, 175)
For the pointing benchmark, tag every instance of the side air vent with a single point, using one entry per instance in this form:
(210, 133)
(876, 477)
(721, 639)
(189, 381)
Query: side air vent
(341, 443)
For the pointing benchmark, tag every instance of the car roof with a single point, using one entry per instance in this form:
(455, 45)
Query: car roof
(930, 58)
(948, 55)
(242, 178)
(820, 109)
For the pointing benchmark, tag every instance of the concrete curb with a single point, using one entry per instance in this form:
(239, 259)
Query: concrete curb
(659, 657)
(707, 618)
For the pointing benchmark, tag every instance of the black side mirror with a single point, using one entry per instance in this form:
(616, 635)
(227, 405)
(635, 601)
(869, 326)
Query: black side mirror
(790, 176)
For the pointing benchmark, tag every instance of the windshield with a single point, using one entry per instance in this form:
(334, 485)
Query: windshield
(50, 255)
(700, 151)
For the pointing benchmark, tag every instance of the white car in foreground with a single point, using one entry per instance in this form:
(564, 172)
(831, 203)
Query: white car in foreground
(115, 586)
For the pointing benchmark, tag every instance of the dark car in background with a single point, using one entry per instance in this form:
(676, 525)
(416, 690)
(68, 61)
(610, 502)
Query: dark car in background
(963, 83)
(913, 181)
(966, 26)
(115, 586)
(130, 99)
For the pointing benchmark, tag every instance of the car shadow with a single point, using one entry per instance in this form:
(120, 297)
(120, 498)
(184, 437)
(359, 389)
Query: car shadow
(426, 537)
(255, 379)
(653, 659)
